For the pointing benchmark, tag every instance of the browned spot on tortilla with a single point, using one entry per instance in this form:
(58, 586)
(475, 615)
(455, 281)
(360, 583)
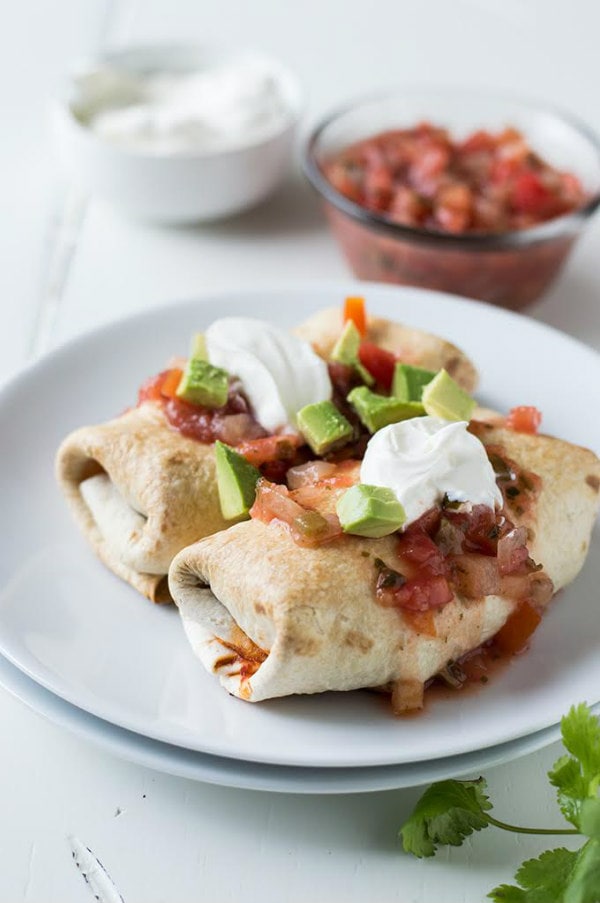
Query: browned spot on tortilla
(178, 457)
(477, 427)
(357, 640)
(584, 547)
(452, 365)
(299, 645)
(593, 482)
(259, 608)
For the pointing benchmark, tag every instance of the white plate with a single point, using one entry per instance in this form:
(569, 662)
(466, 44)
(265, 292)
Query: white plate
(77, 630)
(198, 766)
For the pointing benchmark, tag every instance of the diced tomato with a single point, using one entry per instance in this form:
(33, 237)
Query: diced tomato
(378, 187)
(419, 553)
(530, 195)
(355, 310)
(524, 419)
(482, 530)
(151, 390)
(423, 593)
(477, 142)
(428, 522)
(270, 448)
(379, 362)
(275, 471)
(453, 207)
(343, 181)
(515, 635)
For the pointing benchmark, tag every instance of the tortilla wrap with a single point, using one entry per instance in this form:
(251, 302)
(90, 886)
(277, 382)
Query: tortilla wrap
(140, 492)
(413, 346)
(271, 618)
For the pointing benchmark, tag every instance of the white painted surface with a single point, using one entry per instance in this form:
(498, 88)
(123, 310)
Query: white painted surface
(175, 840)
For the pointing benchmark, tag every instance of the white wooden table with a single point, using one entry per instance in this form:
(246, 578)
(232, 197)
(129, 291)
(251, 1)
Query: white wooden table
(69, 263)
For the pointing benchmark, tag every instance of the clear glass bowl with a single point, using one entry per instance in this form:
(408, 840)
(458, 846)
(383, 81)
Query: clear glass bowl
(510, 269)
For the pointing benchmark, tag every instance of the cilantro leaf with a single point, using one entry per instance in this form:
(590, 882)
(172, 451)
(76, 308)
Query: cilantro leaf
(576, 777)
(447, 812)
(571, 787)
(542, 880)
(581, 737)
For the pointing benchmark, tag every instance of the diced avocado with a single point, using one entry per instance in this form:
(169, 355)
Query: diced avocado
(408, 382)
(323, 426)
(370, 511)
(443, 397)
(236, 482)
(203, 384)
(345, 351)
(198, 346)
(377, 411)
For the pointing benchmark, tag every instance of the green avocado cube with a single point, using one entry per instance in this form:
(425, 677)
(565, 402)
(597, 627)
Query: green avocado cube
(323, 426)
(346, 351)
(203, 384)
(377, 411)
(236, 482)
(444, 398)
(408, 382)
(372, 511)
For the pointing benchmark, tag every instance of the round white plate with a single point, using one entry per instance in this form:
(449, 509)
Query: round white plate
(199, 766)
(77, 630)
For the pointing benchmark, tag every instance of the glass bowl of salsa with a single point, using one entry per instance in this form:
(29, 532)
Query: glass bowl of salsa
(465, 192)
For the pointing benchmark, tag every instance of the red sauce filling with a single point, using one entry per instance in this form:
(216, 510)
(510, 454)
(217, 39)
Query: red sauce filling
(421, 177)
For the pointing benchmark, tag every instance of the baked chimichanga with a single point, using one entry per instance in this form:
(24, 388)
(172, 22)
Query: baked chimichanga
(270, 617)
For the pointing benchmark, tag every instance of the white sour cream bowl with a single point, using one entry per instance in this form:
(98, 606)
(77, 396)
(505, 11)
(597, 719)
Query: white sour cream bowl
(174, 176)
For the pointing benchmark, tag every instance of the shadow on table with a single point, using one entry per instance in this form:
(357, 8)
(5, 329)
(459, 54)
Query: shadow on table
(292, 209)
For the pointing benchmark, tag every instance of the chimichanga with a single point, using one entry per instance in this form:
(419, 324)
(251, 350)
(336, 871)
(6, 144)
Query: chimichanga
(271, 618)
(140, 492)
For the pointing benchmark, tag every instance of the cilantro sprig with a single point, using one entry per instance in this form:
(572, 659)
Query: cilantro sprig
(450, 811)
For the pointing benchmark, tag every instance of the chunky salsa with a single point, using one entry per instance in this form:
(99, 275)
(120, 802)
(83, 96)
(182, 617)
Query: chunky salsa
(424, 178)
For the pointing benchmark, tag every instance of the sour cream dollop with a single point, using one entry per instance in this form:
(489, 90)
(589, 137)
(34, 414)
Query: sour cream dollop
(279, 372)
(425, 458)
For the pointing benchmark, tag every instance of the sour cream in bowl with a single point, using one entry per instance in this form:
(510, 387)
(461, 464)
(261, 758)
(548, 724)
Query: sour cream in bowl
(178, 134)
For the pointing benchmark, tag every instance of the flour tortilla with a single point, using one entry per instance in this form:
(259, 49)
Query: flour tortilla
(271, 618)
(140, 492)
(413, 346)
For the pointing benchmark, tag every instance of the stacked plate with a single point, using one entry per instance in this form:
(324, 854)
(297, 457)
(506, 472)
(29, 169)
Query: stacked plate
(85, 650)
